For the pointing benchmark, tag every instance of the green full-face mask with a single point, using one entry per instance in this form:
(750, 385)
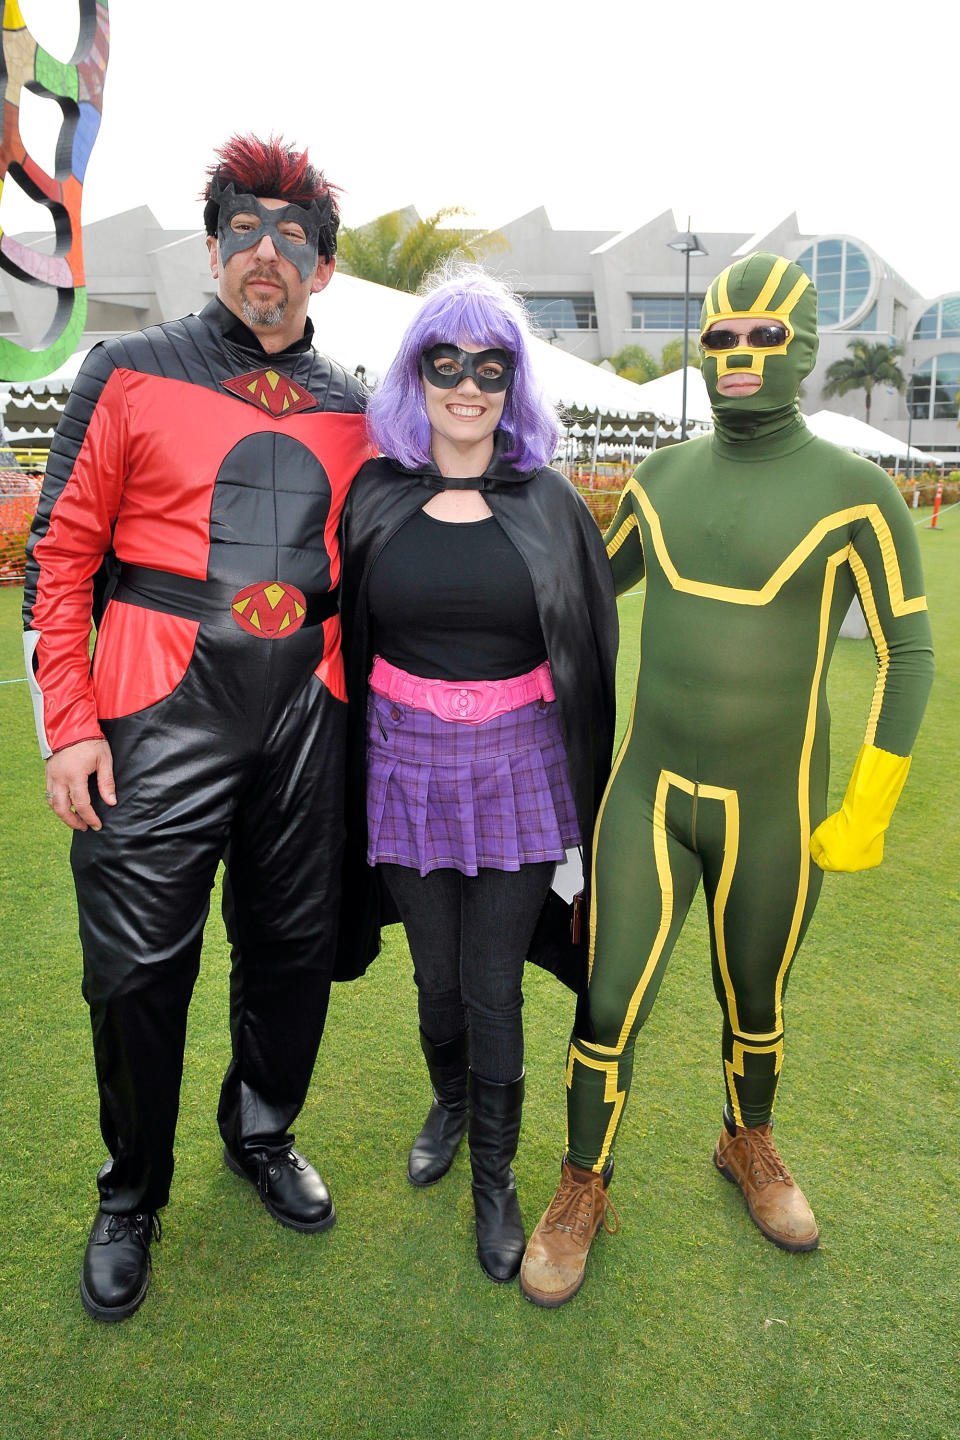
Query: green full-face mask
(770, 290)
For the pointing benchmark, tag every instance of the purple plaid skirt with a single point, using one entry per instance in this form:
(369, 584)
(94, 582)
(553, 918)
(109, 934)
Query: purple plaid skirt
(445, 795)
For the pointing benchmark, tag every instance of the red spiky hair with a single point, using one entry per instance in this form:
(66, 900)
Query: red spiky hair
(270, 168)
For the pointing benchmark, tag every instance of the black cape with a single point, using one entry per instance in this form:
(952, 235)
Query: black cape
(546, 519)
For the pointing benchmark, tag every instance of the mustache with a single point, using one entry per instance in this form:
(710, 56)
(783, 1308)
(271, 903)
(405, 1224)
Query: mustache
(264, 273)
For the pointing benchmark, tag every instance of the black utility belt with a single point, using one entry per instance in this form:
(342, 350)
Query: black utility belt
(271, 609)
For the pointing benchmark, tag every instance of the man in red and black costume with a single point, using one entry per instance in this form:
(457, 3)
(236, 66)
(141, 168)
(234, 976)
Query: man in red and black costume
(206, 461)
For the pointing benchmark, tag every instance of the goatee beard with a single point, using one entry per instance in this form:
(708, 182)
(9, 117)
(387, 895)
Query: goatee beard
(263, 315)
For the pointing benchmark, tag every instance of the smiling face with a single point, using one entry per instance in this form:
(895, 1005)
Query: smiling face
(462, 419)
(259, 284)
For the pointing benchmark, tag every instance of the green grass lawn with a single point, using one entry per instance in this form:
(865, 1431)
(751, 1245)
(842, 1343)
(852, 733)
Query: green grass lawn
(690, 1326)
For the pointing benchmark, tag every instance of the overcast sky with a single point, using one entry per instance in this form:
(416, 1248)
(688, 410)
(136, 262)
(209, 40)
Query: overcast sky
(606, 113)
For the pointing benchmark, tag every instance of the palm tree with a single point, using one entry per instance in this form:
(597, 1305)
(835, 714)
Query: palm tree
(868, 364)
(635, 363)
(399, 249)
(671, 356)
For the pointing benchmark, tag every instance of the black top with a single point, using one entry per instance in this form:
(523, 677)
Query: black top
(553, 531)
(454, 601)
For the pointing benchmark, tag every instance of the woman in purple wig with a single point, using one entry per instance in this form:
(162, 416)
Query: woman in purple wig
(481, 632)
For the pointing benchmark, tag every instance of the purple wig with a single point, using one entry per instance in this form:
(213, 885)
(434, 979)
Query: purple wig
(467, 307)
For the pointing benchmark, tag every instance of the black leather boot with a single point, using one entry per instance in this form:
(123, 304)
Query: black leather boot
(116, 1265)
(293, 1192)
(495, 1112)
(434, 1148)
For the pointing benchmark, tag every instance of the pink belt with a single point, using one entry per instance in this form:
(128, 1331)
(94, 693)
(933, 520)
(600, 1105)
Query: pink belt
(472, 703)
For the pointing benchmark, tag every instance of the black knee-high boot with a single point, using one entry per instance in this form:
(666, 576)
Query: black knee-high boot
(434, 1148)
(495, 1112)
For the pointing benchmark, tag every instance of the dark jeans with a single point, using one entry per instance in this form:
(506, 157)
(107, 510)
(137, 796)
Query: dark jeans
(469, 936)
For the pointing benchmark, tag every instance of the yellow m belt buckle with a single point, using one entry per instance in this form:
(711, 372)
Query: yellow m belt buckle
(269, 609)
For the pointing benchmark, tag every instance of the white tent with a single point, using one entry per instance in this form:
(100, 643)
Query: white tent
(664, 397)
(578, 385)
(359, 323)
(854, 434)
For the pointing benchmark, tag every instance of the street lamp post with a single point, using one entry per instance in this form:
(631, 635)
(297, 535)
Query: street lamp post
(687, 244)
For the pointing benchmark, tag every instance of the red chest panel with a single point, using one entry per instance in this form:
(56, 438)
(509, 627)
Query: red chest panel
(179, 438)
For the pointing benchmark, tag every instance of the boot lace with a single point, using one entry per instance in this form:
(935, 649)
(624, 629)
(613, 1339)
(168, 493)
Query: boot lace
(764, 1158)
(574, 1208)
(268, 1165)
(143, 1225)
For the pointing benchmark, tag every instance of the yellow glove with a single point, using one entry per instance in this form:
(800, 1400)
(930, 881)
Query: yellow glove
(852, 839)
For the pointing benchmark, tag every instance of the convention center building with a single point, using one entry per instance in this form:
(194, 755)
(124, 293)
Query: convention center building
(592, 292)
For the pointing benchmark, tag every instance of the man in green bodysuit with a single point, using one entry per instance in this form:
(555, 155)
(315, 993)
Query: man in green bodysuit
(753, 542)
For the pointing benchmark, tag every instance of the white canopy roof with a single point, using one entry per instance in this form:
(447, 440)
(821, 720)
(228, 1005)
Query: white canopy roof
(854, 434)
(360, 323)
(664, 397)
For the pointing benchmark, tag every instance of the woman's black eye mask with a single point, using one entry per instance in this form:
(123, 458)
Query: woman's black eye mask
(464, 363)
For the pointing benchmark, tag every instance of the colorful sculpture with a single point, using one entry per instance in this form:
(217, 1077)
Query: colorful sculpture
(78, 89)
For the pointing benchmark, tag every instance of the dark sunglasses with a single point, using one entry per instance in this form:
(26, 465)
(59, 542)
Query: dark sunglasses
(446, 365)
(761, 337)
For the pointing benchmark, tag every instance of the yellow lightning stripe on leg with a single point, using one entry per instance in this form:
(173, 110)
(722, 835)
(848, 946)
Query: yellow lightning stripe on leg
(612, 1094)
(731, 849)
(665, 877)
(736, 1067)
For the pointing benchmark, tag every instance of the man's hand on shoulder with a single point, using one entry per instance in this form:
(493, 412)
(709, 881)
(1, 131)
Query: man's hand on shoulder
(68, 782)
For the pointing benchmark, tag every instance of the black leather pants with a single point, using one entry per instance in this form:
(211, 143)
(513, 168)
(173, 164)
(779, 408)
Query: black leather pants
(245, 756)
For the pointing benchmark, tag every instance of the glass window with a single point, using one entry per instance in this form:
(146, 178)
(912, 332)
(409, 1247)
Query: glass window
(665, 312)
(934, 388)
(941, 321)
(841, 272)
(563, 312)
(928, 324)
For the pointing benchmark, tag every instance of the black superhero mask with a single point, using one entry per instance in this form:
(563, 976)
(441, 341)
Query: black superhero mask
(314, 221)
(446, 365)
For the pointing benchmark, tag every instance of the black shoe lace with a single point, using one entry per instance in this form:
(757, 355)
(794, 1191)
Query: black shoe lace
(267, 1162)
(142, 1225)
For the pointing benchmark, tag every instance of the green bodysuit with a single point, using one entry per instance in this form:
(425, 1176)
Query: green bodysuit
(753, 542)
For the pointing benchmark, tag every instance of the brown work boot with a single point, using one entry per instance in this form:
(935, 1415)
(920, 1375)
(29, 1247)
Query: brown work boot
(775, 1201)
(554, 1266)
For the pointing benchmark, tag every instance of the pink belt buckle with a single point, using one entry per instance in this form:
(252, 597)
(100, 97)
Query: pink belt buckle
(467, 703)
(470, 704)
